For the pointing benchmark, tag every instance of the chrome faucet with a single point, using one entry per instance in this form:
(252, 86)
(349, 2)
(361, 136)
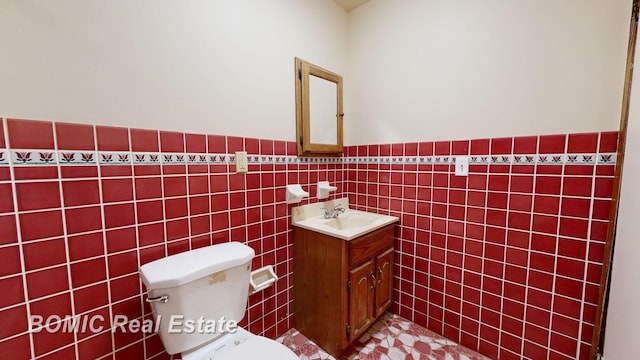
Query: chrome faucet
(333, 213)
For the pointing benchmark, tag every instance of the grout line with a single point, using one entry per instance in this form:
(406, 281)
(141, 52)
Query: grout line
(555, 263)
(581, 321)
(105, 245)
(484, 239)
(65, 235)
(19, 238)
(446, 246)
(464, 243)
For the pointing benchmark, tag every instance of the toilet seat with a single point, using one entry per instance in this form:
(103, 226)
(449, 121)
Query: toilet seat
(258, 347)
(242, 345)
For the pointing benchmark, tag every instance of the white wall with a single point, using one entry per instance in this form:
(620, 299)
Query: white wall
(442, 69)
(413, 69)
(623, 316)
(215, 66)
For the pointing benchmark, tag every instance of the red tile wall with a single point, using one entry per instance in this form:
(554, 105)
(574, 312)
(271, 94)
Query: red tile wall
(72, 237)
(507, 260)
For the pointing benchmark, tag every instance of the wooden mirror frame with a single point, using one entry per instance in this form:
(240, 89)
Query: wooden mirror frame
(303, 70)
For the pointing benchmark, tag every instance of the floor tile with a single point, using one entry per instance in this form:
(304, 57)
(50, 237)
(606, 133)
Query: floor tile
(391, 338)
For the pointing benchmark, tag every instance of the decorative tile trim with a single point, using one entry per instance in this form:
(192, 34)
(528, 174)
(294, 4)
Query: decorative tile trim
(580, 159)
(34, 157)
(526, 159)
(146, 158)
(219, 159)
(608, 158)
(77, 157)
(316, 160)
(173, 159)
(483, 159)
(197, 158)
(63, 158)
(4, 157)
(114, 158)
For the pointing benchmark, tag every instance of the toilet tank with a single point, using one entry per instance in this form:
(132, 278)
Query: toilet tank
(201, 287)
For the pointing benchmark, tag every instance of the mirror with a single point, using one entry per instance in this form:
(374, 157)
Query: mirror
(318, 110)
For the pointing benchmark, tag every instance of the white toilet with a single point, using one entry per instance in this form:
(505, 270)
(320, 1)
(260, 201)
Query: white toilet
(192, 291)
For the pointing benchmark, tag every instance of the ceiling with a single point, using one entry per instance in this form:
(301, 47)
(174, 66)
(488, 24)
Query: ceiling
(350, 4)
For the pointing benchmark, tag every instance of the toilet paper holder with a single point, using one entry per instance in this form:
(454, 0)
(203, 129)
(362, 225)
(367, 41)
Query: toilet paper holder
(262, 278)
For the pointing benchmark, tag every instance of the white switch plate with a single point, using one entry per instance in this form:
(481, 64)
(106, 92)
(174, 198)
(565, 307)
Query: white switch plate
(462, 165)
(242, 164)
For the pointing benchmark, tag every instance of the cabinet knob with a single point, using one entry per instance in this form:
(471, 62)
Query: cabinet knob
(373, 277)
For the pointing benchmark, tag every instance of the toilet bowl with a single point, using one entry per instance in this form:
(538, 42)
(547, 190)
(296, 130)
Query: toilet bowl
(242, 345)
(207, 286)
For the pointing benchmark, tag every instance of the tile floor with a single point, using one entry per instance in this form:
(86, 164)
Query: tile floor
(391, 338)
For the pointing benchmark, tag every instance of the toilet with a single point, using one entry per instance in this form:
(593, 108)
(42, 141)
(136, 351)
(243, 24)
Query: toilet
(193, 296)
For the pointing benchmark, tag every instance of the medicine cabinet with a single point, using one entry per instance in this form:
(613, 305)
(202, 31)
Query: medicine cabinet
(318, 110)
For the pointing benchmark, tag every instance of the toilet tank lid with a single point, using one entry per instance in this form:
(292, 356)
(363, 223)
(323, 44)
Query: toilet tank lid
(179, 269)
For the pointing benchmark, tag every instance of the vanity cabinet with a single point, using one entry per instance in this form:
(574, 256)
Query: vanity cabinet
(341, 287)
(370, 289)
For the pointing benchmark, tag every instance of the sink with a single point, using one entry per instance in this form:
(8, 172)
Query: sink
(350, 220)
(347, 226)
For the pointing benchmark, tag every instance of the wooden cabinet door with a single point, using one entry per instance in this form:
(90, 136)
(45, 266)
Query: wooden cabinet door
(361, 299)
(384, 278)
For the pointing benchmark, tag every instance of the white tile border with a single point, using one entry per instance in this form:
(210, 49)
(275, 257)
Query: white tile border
(34, 157)
(75, 157)
(114, 158)
(4, 157)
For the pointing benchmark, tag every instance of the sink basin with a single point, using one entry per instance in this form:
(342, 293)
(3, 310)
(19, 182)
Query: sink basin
(350, 221)
(347, 226)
